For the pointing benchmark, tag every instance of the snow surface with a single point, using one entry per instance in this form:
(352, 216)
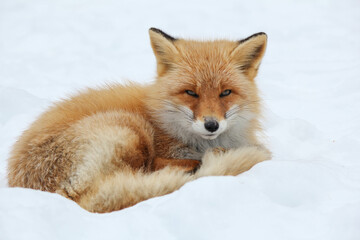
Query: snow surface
(310, 82)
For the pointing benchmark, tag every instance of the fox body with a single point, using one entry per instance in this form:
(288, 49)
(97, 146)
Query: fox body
(110, 148)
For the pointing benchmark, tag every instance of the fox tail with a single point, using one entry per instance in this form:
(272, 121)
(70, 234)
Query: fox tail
(124, 189)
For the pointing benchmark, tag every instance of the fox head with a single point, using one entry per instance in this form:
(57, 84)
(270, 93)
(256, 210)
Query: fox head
(206, 88)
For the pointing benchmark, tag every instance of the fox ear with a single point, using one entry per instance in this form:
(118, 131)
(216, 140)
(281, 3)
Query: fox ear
(248, 54)
(164, 49)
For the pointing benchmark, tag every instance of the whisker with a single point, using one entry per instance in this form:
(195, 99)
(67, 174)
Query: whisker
(238, 108)
(232, 111)
(171, 108)
(188, 113)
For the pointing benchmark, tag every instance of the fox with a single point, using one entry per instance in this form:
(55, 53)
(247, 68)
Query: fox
(112, 147)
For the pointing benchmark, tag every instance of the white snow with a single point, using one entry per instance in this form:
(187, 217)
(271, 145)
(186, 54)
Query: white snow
(310, 82)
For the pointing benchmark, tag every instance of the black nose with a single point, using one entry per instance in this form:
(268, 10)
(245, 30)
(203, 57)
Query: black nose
(211, 125)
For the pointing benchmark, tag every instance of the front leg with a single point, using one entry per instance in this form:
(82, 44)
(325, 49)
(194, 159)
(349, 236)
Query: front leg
(188, 165)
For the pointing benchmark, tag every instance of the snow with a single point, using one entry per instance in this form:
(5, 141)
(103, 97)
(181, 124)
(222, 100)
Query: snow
(310, 83)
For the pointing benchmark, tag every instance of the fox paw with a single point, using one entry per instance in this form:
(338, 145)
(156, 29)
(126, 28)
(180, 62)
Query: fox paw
(219, 150)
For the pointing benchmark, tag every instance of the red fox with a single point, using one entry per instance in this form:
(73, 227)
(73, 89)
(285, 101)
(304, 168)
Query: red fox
(110, 148)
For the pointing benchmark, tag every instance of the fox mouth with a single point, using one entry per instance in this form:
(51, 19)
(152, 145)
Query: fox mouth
(209, 136)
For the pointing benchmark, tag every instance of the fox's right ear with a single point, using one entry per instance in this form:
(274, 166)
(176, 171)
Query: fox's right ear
(249, 52)
(164, 49)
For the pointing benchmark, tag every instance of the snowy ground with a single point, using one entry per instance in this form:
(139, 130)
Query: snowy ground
(310, 80)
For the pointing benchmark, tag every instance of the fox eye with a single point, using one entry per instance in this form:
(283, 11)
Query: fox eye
(191, 93)
(225, 93)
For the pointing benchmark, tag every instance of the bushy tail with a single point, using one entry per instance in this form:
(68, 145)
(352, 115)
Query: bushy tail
(125, 189)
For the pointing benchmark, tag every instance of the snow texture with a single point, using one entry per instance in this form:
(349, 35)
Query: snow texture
(310, 83)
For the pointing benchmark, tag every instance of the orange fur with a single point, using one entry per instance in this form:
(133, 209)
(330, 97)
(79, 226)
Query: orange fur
(110, 148)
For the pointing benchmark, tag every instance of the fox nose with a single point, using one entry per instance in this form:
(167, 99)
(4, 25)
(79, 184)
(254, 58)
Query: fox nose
(211, 125)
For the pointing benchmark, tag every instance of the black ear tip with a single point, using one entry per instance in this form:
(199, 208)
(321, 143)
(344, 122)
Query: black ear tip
(260, 33)
(154, 29)
(253, 36)
(165, 35)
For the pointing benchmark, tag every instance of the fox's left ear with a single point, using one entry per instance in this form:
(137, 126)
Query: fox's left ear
(164, 49)
(248, 54)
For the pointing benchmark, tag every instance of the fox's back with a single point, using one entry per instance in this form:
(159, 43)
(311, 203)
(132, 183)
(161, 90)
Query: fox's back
(49, 137)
